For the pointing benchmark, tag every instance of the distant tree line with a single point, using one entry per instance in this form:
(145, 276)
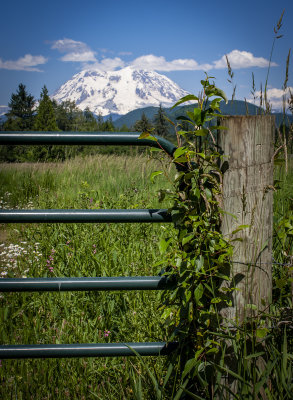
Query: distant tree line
(26, 114)
(159, 126)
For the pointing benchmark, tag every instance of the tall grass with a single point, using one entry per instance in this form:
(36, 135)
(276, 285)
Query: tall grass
(42, 250)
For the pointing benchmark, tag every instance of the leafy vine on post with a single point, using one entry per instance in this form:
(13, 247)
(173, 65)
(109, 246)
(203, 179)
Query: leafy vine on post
(196, 255)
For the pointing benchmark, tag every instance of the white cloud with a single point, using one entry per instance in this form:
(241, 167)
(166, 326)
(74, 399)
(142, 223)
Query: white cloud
(274, 96)
(107, 64)
(75, 51)
(26, 63)
(69, 46)
(242, 59)
(238, 59)
(161, 64)
(85, 56)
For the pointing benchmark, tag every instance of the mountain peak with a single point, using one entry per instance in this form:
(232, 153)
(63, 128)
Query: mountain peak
(120, 91)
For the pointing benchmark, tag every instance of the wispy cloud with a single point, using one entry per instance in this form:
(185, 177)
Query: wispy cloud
(75, 51)
(125, 53)
(106, 64)
(153, 62)
(242, 59)
(238, 59)
(26, 63)
(85, 56)
(69, 45)
(275, 97)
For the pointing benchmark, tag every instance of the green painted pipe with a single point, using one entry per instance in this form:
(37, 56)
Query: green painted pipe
(99, 283)
(84, 138)
(86, 350)
(83, 216)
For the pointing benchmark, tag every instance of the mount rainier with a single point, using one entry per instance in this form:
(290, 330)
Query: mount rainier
(118, 92)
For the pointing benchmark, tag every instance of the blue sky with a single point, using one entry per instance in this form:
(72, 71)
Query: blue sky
(48, 42)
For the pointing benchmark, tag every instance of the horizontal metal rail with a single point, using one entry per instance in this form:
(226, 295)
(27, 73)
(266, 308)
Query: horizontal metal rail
(86, 350)
(84, 138)
(100, 283)
(84, 216)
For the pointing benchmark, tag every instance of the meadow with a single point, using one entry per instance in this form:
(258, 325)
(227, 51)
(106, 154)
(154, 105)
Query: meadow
(41, 250)
(79, 250)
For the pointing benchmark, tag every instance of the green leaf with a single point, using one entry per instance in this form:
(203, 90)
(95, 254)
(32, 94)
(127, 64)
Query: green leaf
(199, 262)
(189, 97)
(216, 300)
(166, 313)
(180, 391)
(187, 239)
(255, 355)
(183, 118)
(163, 245)
(201, 132)
(178, 152)
(154, 174)
(169, 372)
(144, 135)
(261, 332)
(196, 192)
(188, 366)
(280, 283)
(208, 193)
(181, 159)
(198, 292)
(183, 133)
(240, 228)
(220, 93)
(179, 175)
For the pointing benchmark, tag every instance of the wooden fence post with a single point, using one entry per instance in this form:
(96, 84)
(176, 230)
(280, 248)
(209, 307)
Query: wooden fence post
(247, 144)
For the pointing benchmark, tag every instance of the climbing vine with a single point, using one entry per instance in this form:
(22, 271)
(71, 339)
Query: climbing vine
(196, 256)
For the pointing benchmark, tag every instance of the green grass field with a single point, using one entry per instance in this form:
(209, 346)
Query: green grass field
(85, 250)
(42, 250)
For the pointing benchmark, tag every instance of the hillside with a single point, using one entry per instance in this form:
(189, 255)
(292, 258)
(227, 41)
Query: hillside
(237, 107)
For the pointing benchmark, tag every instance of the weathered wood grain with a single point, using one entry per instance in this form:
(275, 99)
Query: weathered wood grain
(247, 194)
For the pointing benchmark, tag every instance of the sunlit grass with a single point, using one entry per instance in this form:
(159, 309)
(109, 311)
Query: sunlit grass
(42, 250)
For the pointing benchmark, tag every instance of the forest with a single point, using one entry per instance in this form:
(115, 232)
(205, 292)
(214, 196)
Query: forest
(46, 115)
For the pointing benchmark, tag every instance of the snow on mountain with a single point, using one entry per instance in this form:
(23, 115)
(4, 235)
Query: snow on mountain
(118, 92)
(3, 110)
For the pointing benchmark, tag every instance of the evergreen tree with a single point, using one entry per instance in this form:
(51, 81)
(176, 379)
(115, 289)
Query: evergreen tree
(100, 121)
(108, 125)
(124, 128)
(143, 125)
(20, 117)
(89, 123)
(68, 116)
(45, 119)
(161, 124)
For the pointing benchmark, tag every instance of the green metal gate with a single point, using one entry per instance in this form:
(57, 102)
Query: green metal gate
(83, 216)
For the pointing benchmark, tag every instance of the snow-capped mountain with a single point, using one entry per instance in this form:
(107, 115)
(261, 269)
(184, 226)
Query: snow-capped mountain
(118, 92)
